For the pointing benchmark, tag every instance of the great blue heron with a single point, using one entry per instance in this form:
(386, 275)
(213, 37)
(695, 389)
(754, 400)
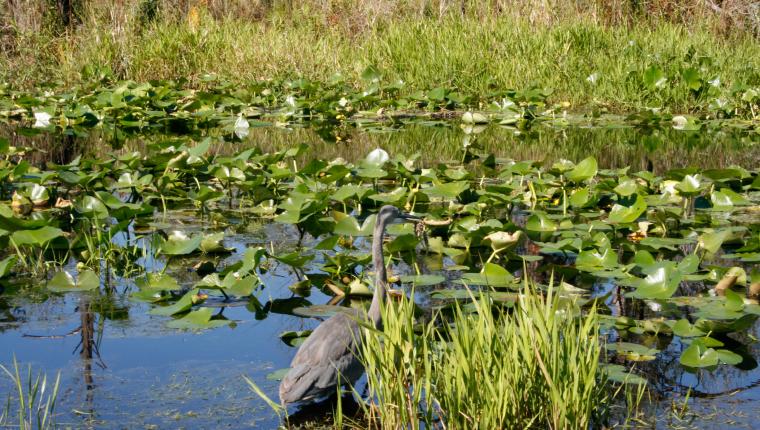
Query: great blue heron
(329, 355)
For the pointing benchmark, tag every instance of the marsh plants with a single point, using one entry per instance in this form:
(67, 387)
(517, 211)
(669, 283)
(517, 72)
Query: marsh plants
(34, 401)
(483, 365)
(536, 366)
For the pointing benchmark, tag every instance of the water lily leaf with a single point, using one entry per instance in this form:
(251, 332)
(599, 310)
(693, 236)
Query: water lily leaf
(683, 328)
(404, 242)
(391, 197)
(620, 214)
(237, 286)
(538, 221)
(184, 304)
(698, 355)
(712, 241)
(423, 280)
(178, 243)
(6, 265)
(501, 240)
(626, 187)
(727, 198)
(294, 338)
(38, 195)
(661, 283)
(227, 173)
(64, 282)
(689, 185)
(448, 190)
(634, 351)
(618, 373)
(580, 197)
(157, 282)
(474, 118)
(671, 243)
(212, 244)
(583, 171)
(591, 260)
(327, 244)
(729, 357)
(92, 207)
(38, 237)
(689, 264)
(294, 259)
(492, 274)
(349, 226)
(654, 77)
(728, 308)
(200, 319)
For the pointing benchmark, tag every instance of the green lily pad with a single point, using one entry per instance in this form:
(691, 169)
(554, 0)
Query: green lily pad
(294, 338)
(583, 171)
(38, 237)
(661, 283)
(634, 351)
(626, 214)
(157, 282)
(178, 243)
(196, 320)
(683, 328)
(184, 304)
(63, 282)
(618, 373)
(6, 265)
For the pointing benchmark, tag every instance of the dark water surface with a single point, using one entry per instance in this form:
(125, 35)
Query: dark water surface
(124, 368)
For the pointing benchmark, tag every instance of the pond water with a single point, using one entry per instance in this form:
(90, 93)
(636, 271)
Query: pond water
(123, 367)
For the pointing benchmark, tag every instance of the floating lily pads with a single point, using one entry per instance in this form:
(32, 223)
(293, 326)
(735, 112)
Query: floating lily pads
(63, 282)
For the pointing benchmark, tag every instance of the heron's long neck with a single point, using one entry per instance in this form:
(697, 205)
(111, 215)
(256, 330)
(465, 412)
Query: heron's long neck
(381, 279)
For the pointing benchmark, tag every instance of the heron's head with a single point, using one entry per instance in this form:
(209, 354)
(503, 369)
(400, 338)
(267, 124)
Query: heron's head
(389, 213)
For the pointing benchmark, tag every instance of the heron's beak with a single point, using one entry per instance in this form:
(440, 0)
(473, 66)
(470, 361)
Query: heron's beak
(410, 218)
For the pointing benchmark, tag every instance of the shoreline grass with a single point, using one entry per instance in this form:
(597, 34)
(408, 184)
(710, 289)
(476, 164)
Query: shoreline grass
(586, 63)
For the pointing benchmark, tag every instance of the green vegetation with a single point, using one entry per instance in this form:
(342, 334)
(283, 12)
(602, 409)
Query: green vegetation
(648, 234)
(594, 56)
(534, 367)
(196, 156)
(34, 400)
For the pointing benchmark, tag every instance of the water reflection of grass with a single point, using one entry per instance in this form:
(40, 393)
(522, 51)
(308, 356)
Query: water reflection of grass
(613, 147)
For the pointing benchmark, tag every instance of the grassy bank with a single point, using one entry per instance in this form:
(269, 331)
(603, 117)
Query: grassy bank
(622, 60)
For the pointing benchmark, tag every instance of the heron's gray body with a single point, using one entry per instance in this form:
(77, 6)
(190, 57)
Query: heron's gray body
(329, 356)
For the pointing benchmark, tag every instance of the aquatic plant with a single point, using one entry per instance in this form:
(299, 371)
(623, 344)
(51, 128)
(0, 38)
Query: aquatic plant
(537, 366)
(34, 401)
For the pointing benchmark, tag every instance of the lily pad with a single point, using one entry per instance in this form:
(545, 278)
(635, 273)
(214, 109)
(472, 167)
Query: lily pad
(63, 282)
(196, 320)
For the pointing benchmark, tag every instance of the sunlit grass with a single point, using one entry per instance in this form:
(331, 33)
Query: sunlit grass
(474, 53)
(537, 366)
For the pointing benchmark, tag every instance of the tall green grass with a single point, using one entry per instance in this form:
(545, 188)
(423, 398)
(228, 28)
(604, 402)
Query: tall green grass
(534, 367)
(477, 49)
(33, 402)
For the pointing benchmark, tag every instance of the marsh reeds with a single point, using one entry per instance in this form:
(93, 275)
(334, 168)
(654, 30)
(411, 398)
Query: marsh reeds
(534, 366)
(34, 399)
(589, 54)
